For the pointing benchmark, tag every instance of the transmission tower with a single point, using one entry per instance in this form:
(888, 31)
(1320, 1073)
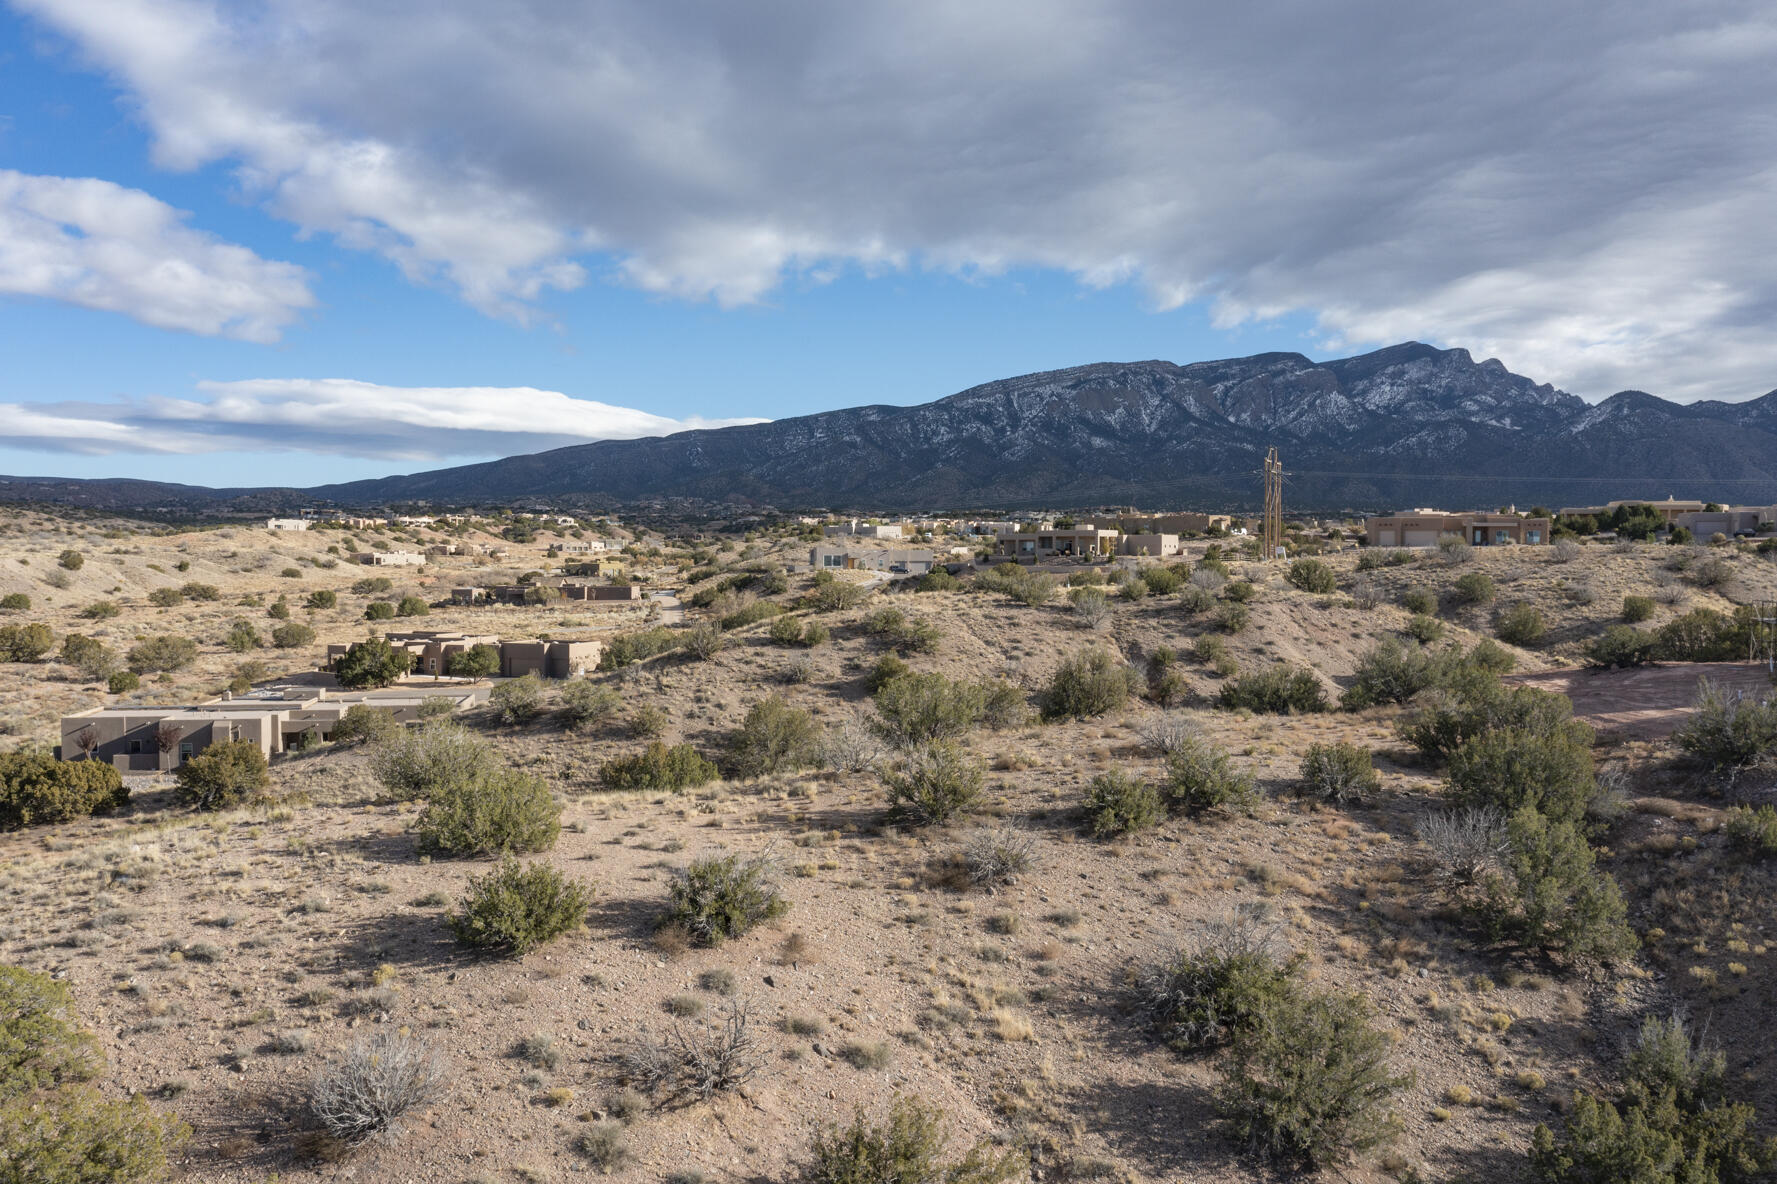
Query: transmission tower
(1273, 529)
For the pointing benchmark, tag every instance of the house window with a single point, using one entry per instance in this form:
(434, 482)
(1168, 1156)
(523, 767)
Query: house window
(184, 751)
(1480, 537)
(1502, 536)
(135, 748)
(1533, 536)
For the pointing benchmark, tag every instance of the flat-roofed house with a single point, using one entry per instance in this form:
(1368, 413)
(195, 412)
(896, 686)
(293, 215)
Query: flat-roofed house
(1423, 528)
(1027, 546)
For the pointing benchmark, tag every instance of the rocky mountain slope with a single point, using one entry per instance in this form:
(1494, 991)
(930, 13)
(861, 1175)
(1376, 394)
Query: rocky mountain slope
(1410, 424)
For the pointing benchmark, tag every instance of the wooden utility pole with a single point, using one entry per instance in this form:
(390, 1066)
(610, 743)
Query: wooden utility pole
(1273, 529)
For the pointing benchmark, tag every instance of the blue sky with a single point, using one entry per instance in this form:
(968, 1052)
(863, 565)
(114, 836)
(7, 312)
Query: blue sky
(687, 221)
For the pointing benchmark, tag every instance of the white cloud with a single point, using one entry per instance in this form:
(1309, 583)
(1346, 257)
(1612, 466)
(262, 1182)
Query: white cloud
(1586, 198)
(96, 244)
(338, 416)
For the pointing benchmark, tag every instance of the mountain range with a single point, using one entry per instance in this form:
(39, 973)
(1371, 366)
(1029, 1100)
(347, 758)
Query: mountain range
(1406, 425)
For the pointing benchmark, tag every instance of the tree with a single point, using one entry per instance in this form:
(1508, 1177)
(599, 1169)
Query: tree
(292, 635)
(25, 643)
(37, 788)
(371, 663)
(222, 775)
(161, 654)
(90, 656)
(243, 637)
(773, 738)
(412, 606)
(478, 661)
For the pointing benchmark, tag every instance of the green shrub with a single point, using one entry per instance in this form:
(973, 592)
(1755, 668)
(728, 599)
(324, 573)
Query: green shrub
(717, 897)
(907, 1148)
(1550, 895)
(371, 663)
(15, 602)
(162, 653)
(208, 593)
(496, 811)
(72, 560)
(1118, 804)
(1671, 1123)
(166, 597)
(1194, 599)
(1753, 831)
(648, 721)
(1003, 705)
(325, 598)
(412, 606)
(242, 637)
(627, 648)
(1420, 601)
(123, 682)
(98, 610)
(1729, 733)
(774, 738)
(1028, 587)
(1339, 773)
(292, 636)
(1089, 684)
(418, 762)
(915, 708)
(938, 580)
(658, 767)
(1520, 624)
(886, 670)
(932, 783)
(752, 614)
(1637, 609)
(222, 775)
(704, 640)
(585, 703)
(363, 723)
(1223, 985)
(379, 610)
(25, 643)
(837, 596)
(518, 700)
(516, 908)
(785, 630)
(1200, 776)
(1622, 646)
(1309, 1086)
(1507, 769)
(1311, 575)
(1474, 588)
(1389, 673)
(36, 788)
(478, 661)
(55, 1128)
(1162, 581)
(1471, 701)
(1281, 690)
(815, 634)
(1233, 618)
(1424, 630)
(1240, 592)
(1704, 635)
(91, 657)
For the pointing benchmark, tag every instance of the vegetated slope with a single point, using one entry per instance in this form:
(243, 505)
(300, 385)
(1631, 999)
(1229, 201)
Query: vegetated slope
(1410, 424)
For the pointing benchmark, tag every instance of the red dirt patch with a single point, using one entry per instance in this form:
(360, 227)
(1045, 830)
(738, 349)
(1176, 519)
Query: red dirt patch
(1648, 700)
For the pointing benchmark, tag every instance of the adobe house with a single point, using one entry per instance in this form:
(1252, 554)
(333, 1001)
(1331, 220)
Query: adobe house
(432, 651)
(389, 558)
(1668, 510)
(1423, 528)
(1159, 546)
(912, 561)
(1085, 542)
(146, 739)
(1180, 523)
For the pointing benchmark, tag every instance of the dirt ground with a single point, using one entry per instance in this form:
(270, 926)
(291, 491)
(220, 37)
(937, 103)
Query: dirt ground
(223, 959)
(1648, 700)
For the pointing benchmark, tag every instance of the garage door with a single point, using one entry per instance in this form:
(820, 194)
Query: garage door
(1420, 538)
(1384, 538)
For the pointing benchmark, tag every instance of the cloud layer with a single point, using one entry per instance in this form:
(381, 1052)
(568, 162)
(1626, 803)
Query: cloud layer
(1584, 194)
(338, 417)
(93, 243)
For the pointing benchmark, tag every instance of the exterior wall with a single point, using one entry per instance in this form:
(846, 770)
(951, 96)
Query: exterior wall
(1479, 529)
(913, 561)
(1027, 546)
(579, 546)
(1669, 510)
(129, 740)
(1157, 545)
(1180, 523)
(391, 558)
(287, 524)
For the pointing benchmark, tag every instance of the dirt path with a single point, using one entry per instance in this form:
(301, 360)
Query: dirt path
(1649, 700)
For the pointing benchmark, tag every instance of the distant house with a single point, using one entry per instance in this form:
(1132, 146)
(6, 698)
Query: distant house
(1159, 546)
(1729, 520)
(1027, 546)
(390, 558)
(139, 739)
(1423, 528)
(287, 524)
(579, 547)
(1668, 510)
(827, 557)
(432, 651)
(1180, 523)
(864, 530)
